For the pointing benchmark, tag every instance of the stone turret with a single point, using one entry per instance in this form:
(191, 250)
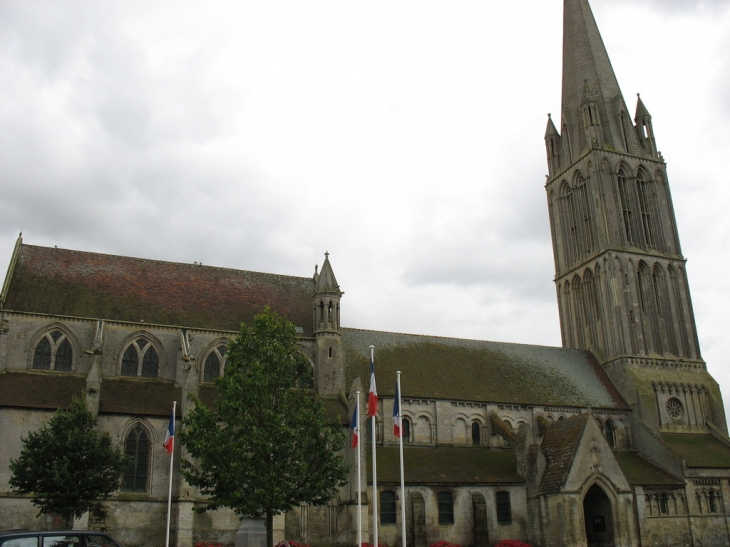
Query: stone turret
(329, 373)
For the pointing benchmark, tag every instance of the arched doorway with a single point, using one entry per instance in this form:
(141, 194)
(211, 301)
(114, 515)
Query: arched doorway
(598, 518)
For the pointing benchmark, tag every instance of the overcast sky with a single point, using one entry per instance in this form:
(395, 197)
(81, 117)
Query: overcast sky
(404, 137)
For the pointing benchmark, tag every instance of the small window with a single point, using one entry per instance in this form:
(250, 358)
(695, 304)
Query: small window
(387, 507)
(140, 359)
(137, 448)
(504, 508)
(53, 352)
(610, 433)
(712, 502)
(674, 408)
(476, 434)
(663, 505)
(406, 430)
(446, 507)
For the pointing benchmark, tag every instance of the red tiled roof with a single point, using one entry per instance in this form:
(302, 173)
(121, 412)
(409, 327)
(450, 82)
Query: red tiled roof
(81, 284)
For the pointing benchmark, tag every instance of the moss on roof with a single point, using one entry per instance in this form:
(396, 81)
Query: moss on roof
(80, 284)
(447, 465)
(699, 450)
(449, 368)
(641, 472)
(559, 446)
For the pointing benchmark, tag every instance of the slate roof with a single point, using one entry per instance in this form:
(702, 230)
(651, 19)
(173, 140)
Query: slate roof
(472, 370)
(699, 450)
(92, 285)
(640, 472)
(39, 390)
(559, 447)
(447, 465)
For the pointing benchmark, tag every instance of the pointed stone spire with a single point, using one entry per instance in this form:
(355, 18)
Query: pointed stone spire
(325, 281)
(641, 111)
(552, 146)
(644, 128)
(586, 66)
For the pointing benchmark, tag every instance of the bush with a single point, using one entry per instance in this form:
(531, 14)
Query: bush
(511, 543)
(444, 543)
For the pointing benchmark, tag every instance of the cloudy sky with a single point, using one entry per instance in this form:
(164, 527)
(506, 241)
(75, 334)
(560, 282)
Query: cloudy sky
(404, 137)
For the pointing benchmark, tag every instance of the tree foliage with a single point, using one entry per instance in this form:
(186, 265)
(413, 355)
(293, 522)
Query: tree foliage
(67, 465)
(268, 445)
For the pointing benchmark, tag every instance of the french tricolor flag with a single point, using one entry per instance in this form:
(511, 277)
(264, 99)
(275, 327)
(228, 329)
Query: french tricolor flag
(397, 420)
(373, 395)
(354, 425)
(169, 443)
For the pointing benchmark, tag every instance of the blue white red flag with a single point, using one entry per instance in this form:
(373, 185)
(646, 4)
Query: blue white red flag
(397, 421)
(354, 425)
(169, 443)
(373, 395)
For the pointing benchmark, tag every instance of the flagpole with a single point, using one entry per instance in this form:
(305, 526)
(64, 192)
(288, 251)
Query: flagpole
(169, 489)
(375, 469)
(402, 480)
(359, 477)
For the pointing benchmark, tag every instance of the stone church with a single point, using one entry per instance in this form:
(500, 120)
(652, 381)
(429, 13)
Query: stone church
(617, 438)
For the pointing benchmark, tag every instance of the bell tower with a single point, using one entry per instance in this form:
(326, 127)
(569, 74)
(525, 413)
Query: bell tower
(619, 271)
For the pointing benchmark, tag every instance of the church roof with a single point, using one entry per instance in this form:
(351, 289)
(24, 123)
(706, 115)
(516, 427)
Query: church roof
(99, 286)
(447, 465)
(448, 368)
(559, 446)
(699, 450)
(640, 472)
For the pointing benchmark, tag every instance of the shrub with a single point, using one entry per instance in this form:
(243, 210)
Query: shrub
(511, 543)
(444, 543)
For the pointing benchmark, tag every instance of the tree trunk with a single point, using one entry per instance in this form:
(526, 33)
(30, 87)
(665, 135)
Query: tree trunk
(269, 529)
(68, 522)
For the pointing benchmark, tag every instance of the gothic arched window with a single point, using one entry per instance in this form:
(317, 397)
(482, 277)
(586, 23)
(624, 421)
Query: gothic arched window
(53, 352)
(214, 363)
(446, 507)
(137, 449)
(625, 197)
(140, 359)
(387, 507)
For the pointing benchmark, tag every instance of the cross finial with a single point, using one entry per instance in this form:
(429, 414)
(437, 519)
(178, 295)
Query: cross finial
(326, 254)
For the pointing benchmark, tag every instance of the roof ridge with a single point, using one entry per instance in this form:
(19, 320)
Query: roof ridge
(467, 339)
(158, 261)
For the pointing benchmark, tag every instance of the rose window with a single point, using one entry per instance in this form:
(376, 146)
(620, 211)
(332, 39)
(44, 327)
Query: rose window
(674, 408)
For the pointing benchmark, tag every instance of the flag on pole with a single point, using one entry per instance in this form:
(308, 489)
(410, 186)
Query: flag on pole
(397, 421)
(169, 443)
(354, 425)
(373, 395)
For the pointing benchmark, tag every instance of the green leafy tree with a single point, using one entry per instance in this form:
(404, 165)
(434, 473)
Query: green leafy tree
(268, 445)
(67, 465)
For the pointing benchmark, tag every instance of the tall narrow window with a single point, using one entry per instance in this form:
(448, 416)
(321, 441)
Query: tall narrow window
(644, 191)
(140, 359)
(137, 449)
(406, 430)
(712, 502)
(476, 434)
(504, 508)
(387, 507)
(624, 193)
(610, 433)
(663, 505)
(53, 352)
(446, 507)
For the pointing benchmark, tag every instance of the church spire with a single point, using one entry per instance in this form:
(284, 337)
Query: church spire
(586, 66)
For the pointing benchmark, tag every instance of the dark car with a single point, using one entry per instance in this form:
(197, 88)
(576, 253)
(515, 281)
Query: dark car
(56, 538)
